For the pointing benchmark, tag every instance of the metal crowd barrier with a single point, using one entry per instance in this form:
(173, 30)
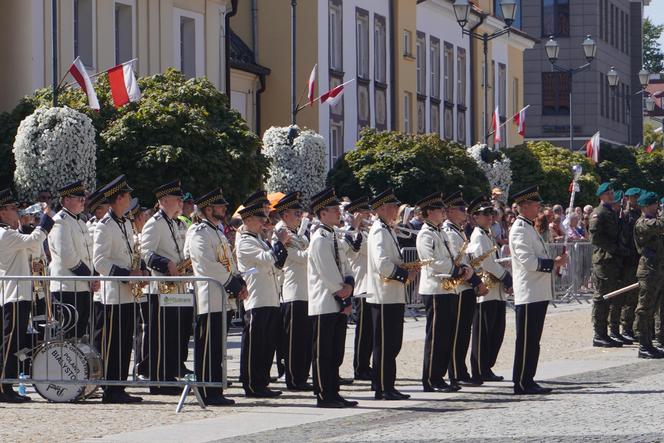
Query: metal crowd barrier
(61, 359)
(573, 282)
(414, 305)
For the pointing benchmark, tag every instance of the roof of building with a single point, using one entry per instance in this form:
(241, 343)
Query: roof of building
(243, 58)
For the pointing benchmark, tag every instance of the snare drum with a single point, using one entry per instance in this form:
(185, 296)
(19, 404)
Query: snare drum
(66, 360)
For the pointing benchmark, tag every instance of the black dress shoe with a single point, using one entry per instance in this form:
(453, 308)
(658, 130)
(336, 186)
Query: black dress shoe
(387, 395)
(347, 403)
(468, 380)
(400, 394)
(365, 375)
(492, 377)
(345, 381)
(331, 404)
(218, 401)
(541, 389)
(165, 390)
(649, 352)
(13, 397)
(604, 342)
(440, 386)
(120, 397)
(531, 390)
(300, 387)
(263, 393)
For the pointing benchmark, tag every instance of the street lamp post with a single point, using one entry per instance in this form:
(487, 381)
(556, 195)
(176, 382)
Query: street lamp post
(613, 78)
(462, 13)
(552, 52)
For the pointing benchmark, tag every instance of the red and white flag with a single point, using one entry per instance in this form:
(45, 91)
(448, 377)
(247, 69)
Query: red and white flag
(312, 85)
(592, 148)
(520, 121)
(651, 147)
(77, 70)
(334, 95)
(496, 127)
(124, 87)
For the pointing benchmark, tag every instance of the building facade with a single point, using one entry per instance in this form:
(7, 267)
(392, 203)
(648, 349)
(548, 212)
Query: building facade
(189, 35)
(616, 27)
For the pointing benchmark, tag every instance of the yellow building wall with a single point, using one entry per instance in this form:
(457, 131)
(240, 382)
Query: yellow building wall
(406, 65)
(514, 72)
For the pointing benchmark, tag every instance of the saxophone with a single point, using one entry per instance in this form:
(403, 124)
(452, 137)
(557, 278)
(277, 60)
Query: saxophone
(137, 286)
(450, 284)
(184, 268)
(487, 278)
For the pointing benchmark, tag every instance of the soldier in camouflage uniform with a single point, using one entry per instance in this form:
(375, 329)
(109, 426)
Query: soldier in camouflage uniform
(649, 239)
(604, 232)
(631, 214)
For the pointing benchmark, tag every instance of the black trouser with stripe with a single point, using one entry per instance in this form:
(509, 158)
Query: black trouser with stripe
(488, 334)
(529, 325)
(363, 336)
(388, 335)
(297, 329)
(15, 317)
(116, 342)
(441, 312)
(462, 329)
(259, 341)
(186, 320)
(329, 338)
(208, 336)
(81, 301)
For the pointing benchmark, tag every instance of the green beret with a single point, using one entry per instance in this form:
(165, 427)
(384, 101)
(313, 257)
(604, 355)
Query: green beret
(661, 200)
(632, 191)
(617, 197)
(604, 187)
(647, 199)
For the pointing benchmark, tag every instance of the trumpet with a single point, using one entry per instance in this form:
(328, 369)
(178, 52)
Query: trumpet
(402, 232)
(451, 284)
(184, 268)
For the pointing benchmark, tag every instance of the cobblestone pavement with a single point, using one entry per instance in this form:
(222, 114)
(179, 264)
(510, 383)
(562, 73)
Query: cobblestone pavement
(624, 403)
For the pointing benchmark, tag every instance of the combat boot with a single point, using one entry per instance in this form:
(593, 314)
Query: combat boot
(615, 335)
(647, 350)
(604, 341)
(629, 335)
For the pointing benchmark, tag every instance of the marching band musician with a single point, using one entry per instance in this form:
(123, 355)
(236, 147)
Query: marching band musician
(532, 276)
(453, 227)
(115, 255)
(186, 317)
(330, 285)
(211, 256)
(387, 296)
(71, 254)
(357, 258)
(261, 324)
(296, 322)
(162, 249)
(489, 321)
(441, 305)
(16, 297)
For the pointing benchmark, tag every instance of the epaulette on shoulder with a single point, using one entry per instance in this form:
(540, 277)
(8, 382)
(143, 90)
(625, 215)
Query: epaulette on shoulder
(157, 216)
(62, 214)
(106, 219)
(200, 226)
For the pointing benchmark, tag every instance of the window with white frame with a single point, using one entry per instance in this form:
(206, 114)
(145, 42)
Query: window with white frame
(189, 42)
(380, 49)
(407, 38)
(407, 119)
(449, 73)
(502, 90)
(434, 60)
(421, 116)
(84, 19)
(124, 31)
(461, 76)
(362, 42)
(336, 141)
(188, 47)
(421, 63)
(435, 118)
(381, 108)
(335, 35)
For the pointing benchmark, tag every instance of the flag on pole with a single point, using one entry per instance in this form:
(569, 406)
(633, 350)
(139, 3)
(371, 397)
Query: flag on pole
(334, 95)
(496, 127)
(124, 87)
(312, 85)
(520, 121)
(77, 70)
(592, 148)
(651, 147)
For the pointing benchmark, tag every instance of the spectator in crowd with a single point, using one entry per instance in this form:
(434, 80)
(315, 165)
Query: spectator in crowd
(499, 227)
(556, 229)
(575, 232)
(588, 209)
(542, 227)
(417, 221)
(510, 218)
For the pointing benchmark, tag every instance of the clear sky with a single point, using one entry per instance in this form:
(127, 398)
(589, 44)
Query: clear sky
(655, 11)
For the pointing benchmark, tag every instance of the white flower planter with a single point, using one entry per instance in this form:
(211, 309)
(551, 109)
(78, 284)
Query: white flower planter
(498, 172)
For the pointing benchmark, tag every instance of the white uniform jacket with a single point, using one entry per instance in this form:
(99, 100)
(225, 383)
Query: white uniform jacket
(161, 243)
(432, 244)
(327, 272)
(386, 277)
(15, 252)
(263, 286)
(457, 238)
(480, 243)
(71, 252)
(531, 264)
(203, 241)
(294, 281)
(112, 256)
(357, 259)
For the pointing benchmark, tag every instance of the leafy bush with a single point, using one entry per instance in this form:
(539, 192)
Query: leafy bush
(414, 165)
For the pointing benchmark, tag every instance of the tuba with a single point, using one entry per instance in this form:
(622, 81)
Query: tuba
(450, 284)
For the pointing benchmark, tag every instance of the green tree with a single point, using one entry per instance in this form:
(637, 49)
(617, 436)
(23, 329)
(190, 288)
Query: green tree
(650, 136)
(414, 165)
(179, 129)
(653, 57)
(618, 164)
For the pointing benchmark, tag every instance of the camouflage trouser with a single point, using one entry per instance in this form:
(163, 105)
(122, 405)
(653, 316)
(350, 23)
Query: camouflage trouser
(659, 318)
(631, 298)
(606, 278)
(650, 294)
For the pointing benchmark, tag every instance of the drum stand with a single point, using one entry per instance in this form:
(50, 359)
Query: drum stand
(185, 393)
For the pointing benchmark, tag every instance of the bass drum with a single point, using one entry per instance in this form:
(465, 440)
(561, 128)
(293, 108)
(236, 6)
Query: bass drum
(66, 360)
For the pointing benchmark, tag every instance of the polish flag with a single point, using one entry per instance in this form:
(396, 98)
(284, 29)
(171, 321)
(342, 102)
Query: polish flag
(592, 148)
(520, 121)
(334, 95)
(651, 147)
(312, 85)
(77, 70)
(496, 127)
(124, 87)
